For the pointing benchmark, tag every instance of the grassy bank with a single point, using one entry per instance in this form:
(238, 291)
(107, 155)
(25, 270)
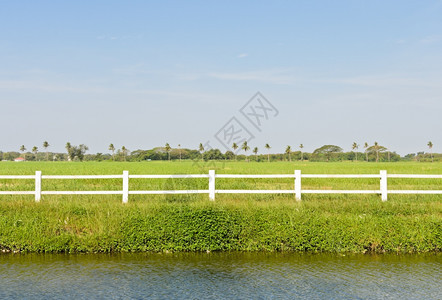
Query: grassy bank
(327, 223)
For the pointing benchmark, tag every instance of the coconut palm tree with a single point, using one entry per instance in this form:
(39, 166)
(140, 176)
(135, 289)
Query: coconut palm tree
(167, 148)
(234, 146)
(255, 150)
(246, 148)
(355, 146)
(23, 149)
(201, 149)
(430, 145)
(46, 145)
(377, 148)
(124, 151)
(302, 153)
(112, 148)
(288, 151)
(68, 149)
(267, 146)
(366, 153)
(35, 151)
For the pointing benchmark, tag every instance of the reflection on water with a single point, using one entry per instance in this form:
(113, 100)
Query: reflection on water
(220, 275)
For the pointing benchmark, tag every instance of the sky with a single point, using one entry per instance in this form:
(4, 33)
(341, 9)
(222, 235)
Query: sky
(141, 74)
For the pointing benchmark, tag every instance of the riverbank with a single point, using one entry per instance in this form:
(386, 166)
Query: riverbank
(357, 224)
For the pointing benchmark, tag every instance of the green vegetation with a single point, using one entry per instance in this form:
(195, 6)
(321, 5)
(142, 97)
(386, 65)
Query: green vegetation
(329, 153)
(319, 223)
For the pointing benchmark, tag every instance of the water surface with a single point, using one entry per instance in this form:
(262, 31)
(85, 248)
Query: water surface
(220, 275)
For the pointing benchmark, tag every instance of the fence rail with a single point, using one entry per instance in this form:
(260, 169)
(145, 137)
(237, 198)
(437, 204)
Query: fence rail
(297, 190)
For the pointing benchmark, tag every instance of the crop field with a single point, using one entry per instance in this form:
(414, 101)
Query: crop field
(186, 167)
(265, 222)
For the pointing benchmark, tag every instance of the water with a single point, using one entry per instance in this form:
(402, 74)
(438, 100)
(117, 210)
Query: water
(220, 276)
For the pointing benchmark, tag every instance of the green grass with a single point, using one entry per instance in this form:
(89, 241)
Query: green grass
(319, 223)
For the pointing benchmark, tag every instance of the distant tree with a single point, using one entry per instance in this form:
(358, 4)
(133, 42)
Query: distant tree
(124, 151)
(245, 147)
(328, 150)
(167, 148)
(355, 146)
(430, 145)
(229, 155)
(179, 149)
(46, 146)
(302, 153)
(376, 148)
(213, 154)
(76, 152)
(255, 151)
(35, 151)
(366, 153)
(288, 151)
(267, 146)
(23, 149)
(112, 148)
(234, 146)
(68, 149)
(201, 150)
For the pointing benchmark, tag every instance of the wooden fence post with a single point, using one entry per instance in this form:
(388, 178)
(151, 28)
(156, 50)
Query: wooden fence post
(298, 185)
(37, 186)
(125, 186)
(384, 185)
(212, 185)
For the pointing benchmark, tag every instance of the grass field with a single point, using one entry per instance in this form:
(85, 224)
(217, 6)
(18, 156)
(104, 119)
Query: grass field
(331, 223)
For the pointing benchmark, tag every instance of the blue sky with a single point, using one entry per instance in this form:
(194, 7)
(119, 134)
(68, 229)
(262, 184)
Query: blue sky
(143, 73)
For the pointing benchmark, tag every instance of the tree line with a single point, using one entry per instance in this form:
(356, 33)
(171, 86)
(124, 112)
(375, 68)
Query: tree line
(375, 153)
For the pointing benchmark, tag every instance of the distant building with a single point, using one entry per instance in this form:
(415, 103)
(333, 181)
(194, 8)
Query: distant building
(19, 159)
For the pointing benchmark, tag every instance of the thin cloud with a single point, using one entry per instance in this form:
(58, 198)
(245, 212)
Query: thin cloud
(431, 39)
(242, 55)
(268, 76)
(385, 81)
(45, 87)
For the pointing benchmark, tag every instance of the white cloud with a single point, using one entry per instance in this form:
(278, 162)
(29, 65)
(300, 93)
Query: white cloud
(242, 55)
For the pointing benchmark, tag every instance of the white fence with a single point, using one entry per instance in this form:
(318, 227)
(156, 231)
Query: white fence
(297, 190)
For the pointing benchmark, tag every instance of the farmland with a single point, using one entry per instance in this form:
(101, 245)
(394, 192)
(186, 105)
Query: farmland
(319, 223)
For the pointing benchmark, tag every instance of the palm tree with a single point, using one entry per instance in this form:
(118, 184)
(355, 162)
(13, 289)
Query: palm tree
(255, 150)
(179, 149)
(267, 146)
(124, 151)
(376, 148)
(167, 148)
(46, 145)
(35, 151)
(23, 149)
(245, 147)
(366, 153)
(302, 153)
(68, 147)
(234, 146)
(288, 151)
(355, 147)
(201, 149)
(112, 148)
(430, 145)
